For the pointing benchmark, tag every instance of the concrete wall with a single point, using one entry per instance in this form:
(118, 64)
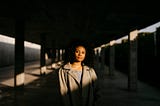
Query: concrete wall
(32, 54)
(7, 54)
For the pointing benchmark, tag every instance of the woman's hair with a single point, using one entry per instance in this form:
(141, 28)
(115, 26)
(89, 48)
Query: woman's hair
(70, 52)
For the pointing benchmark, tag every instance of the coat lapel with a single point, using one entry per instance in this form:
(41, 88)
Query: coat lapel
(71, 73)
(85, 76)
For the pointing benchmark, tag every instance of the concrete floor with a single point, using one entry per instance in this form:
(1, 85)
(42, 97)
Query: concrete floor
(43, 90)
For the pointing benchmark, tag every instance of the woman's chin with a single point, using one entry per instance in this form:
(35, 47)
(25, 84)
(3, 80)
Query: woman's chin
(79, 60)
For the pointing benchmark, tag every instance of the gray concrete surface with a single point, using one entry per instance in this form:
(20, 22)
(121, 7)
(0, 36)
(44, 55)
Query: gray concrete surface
(43, 90)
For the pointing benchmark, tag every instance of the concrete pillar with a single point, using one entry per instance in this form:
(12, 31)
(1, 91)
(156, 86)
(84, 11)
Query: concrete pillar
(99, 58)
(158, 42)
(19, 53)
(42, 59)
(155, 44)
(97, 62)
(112, 58)
(95, 59)
(102, 65)
(53, 51)
(157, 47)
(132, 77)
(102, 58)
(61, 54)
(57, 55)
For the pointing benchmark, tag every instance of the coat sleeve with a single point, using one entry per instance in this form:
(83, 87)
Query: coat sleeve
(62, 82)
(63, 87)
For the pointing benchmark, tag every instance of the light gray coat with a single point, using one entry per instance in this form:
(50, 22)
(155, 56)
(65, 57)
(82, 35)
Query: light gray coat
(75, 93)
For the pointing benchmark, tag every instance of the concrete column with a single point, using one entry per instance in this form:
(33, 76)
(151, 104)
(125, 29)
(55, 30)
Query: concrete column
(132, 77)
(96, 59)
(112, 58)
(43, 51)
(53, 51)
(102, 58)
(157, 48)
(158, 42)
(19, 54)
(57, 55)
(102, 65)
(61, 54)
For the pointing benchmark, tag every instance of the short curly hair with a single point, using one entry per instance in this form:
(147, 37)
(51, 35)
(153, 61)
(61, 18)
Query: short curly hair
(69, 54)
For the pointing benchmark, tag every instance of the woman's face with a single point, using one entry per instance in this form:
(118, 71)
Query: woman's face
(80, 53)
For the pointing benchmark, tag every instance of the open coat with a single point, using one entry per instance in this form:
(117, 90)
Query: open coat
(75, 93)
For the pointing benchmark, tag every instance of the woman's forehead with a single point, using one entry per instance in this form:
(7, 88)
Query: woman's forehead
(80, 47)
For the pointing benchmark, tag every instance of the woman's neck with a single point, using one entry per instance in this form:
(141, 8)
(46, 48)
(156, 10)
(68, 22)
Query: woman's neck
(76, 65)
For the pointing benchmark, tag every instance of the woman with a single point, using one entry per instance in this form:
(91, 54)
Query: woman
(77, 80)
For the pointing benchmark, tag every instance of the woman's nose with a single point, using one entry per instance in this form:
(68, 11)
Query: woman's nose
(79, 53)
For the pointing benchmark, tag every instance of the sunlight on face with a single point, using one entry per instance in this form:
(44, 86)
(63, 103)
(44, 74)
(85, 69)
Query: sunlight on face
(80, 53)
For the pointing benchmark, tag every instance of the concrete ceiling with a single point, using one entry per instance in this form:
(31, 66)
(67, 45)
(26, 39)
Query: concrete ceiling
(62, 21)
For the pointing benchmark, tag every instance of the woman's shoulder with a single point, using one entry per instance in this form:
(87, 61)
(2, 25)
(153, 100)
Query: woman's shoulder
(91, 72)
(88, 67)
(65, 66)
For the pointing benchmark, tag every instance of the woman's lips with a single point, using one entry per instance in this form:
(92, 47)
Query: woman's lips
(79, 57)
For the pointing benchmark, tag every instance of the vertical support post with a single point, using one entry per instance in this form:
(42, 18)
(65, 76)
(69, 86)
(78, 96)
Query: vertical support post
(132, 77)
(19, 53)
(57, 54)
(97, 60)
(112, 58)
(158, 43)
(42, 59)
(102, 58)
(102, 65)
(61, 53)
(53, 51)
